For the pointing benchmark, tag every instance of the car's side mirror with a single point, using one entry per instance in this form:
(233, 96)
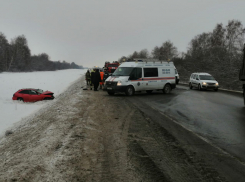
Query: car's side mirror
(197, 79)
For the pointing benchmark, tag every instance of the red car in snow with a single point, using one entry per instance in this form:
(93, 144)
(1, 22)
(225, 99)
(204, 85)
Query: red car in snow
(32, 95)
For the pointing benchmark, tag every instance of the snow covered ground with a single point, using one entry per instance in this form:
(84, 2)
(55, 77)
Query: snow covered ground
(13, 111)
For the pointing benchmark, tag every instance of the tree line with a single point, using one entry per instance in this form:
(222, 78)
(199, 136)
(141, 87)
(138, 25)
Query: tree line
(16, 57)
(218, 52)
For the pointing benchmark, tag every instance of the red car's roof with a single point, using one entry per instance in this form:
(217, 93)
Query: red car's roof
(35, 90)
(28, 89)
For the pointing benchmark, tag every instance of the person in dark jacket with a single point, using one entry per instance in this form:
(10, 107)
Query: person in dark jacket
(96, 80)
(92, 78)
(106, 75)
(88, 77)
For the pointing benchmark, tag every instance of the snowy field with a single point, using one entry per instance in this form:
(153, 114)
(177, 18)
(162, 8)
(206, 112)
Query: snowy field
(13, 111)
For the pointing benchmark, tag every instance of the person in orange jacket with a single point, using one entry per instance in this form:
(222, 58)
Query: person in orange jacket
(101, 76)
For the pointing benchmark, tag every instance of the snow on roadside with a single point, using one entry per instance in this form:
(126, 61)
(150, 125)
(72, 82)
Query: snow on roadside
(13, 111)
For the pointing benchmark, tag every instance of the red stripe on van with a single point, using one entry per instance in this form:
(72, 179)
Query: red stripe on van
(161, 78)
(113, 79)
(149, 79)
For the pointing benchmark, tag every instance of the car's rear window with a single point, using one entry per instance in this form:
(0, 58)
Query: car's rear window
(24, 92)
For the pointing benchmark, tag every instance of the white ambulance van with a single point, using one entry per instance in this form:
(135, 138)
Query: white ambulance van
(142, 75)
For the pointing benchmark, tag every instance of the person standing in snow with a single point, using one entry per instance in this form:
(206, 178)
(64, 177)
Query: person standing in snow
(92, 79)
(88, 77)
(102, 79)
(97, 79)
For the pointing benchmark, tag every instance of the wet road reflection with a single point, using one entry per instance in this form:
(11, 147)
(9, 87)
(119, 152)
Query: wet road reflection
(216, 116)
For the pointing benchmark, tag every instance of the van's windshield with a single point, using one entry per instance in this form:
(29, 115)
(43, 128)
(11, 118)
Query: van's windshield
(123, 71)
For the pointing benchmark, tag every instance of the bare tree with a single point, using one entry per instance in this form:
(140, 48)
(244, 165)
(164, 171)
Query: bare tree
(235, 36)
(156, 52)
(134, 55)
(143, 54)
(122, 59)
(21, 54)
(4, 53)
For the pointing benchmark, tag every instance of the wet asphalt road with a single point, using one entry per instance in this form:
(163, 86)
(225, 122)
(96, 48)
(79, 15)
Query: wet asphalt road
(218, 117)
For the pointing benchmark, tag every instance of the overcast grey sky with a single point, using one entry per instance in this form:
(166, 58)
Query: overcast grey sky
(90, 32)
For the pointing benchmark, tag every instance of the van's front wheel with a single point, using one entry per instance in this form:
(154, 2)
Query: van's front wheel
(129, 91)
(167, 89)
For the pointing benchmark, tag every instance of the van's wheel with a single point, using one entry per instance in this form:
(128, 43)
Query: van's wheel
(176, 80)
(20, 99)
(167, 89)
(216, 89)
(149, 91)
(190, 85)
(129, 91)
(199, 87)
(110, 92)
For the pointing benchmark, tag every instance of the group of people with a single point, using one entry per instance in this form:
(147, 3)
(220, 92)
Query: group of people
(96, 78)
(93, 78)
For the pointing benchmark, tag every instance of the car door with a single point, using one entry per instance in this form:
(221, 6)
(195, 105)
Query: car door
(136, 79)
(34, 96)
(24, 94)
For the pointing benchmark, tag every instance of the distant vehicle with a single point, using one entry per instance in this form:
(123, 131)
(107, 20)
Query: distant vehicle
(203, 81)
(111, 67)
(176, 76)
(146, 75)
(32, 95)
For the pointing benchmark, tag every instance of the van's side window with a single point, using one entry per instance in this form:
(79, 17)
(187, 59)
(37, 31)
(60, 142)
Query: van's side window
(136, 74)
(150, 72)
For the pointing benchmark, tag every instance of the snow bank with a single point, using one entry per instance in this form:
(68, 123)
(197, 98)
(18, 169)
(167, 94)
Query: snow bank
(13, 111)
